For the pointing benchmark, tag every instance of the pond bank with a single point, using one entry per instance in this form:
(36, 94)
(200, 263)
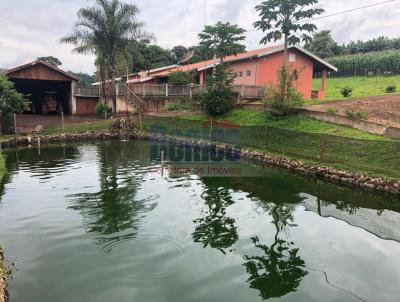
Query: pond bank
(262, 158)
(3, 284)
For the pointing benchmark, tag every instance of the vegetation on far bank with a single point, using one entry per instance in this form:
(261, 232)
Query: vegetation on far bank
(362, 87)
(2, 172)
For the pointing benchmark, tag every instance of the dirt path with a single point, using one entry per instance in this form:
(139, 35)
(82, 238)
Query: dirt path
(382, 109)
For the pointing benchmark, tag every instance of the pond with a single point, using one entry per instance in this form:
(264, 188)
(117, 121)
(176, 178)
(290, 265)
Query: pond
(98, 221)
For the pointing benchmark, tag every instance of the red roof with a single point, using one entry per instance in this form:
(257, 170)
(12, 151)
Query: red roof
(203, 64)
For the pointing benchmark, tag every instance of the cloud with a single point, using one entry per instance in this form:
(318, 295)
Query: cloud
(32, 28)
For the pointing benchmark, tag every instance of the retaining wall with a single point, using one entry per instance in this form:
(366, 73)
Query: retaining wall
(367, 126)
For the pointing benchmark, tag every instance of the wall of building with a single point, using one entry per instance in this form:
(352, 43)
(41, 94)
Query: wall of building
(242, 68)
(86, 105)
(269, 66)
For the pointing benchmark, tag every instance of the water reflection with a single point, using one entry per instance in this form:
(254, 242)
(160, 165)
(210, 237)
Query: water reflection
(277, 269)
(114, 213)
(215, 229)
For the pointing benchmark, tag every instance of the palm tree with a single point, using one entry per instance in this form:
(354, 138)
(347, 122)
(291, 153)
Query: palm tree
(107, 30)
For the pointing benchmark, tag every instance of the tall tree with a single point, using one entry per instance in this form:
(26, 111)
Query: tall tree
(179, 51)
(323, 44)
(51, 60)
(223, 39)
(286, 19)
(107, 29)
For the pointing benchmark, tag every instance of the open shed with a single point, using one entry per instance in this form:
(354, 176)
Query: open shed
(48, 88)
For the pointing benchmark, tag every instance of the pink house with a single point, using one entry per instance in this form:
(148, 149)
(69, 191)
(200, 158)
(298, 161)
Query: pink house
(258, 67)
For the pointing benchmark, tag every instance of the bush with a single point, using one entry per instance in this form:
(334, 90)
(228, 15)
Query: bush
(180, 78)
(388, 73)
(103, 110)
(220, 96)
(284, 98)
(179, 106)
(357, 115)
(391, 89)
(332, 110)
(346, 91)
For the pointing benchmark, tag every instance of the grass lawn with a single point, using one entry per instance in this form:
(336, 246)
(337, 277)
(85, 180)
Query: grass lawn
(298, 138)
(96, 125)
(363, 86)
(295, 123)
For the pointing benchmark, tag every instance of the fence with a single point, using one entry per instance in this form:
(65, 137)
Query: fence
(153, 90)
(87, 91)
(381, 157)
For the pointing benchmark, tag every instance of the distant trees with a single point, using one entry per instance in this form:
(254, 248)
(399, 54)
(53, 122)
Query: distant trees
(323, 44)
(222, 39)
(180, 78)
(51, 60)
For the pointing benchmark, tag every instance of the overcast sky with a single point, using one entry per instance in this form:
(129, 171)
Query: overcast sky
(32, 28)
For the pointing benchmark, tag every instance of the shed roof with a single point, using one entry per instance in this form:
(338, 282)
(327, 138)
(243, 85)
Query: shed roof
(39, 62)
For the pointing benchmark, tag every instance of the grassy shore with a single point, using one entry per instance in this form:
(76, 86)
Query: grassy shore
(363, 86)
(2, 166)
(300, 138)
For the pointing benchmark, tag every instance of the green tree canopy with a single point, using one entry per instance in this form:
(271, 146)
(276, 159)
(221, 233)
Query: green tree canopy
(10, 99)
(51, 60)
(323, 44)
(287, 19)
(180, 78)
(223, 39)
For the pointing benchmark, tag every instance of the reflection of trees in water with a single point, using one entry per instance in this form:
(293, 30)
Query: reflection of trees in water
(214, 229)
(114, 212)
(278, 269)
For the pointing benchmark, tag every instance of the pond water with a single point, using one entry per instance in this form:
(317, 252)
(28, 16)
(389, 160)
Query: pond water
(99, 222)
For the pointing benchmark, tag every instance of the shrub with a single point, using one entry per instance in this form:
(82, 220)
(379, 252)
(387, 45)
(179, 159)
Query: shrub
(284, 98)
(357, 115)
(332, 110)
(103, 110)
(179, 106)
(388, 73)
(180, 78)
(391, 89)
(220, 96)
(346, 91)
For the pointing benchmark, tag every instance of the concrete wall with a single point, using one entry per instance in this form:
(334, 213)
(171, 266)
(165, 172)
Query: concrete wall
(367, 126)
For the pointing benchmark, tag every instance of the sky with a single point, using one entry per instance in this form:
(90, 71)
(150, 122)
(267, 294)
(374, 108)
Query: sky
(33, 28)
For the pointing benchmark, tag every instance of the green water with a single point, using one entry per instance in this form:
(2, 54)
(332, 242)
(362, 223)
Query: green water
(99, 222)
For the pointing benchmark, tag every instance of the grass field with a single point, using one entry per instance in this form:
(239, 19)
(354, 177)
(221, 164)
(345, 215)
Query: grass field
(363, 86)
(297, 138)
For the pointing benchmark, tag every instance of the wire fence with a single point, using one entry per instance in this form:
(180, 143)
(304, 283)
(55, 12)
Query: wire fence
(380, 157)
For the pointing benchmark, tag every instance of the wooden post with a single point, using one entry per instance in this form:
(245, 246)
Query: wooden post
(144, 89)
(166, 90)
(15, 123)
(242, 91)
(38, 143)
(62, 120)
(140, 120)
(191, 91)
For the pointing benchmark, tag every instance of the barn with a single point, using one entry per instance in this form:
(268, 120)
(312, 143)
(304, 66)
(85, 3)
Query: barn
(49, 89)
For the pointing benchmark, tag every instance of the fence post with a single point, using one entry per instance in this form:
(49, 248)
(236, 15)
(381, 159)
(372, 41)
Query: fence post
(242, 91)
(266, 137)
(322, 148)
(15, 123)
(191, 91)
(166, 90)
(62, 119)
(144, 89)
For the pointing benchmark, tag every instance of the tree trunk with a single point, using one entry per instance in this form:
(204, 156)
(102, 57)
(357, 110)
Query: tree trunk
(113, 90)
(285, 52)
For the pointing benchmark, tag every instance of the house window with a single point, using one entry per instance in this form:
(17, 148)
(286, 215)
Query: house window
(292, 58)
(248, 73)
(240, 74)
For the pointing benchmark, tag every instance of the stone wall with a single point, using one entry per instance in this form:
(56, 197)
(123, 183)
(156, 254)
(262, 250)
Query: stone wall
(3, 284)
